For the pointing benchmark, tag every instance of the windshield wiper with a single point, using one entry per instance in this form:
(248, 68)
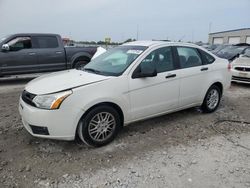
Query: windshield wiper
(92, 70)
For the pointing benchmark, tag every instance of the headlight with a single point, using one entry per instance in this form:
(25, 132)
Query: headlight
(51, 101)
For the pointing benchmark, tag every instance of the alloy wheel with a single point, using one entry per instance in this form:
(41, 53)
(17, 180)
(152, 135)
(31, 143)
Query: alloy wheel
(101, 126)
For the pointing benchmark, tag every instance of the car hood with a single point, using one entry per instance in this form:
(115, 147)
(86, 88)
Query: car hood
(62, 80)
(242, 61)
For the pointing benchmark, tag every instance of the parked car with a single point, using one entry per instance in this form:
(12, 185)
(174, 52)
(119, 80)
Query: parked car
(231, 52)
(132, 82)
(241, 68)
(210, 47)
(32, 53)
(219, 48)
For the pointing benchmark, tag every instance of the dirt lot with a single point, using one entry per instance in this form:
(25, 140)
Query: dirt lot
(177, 150)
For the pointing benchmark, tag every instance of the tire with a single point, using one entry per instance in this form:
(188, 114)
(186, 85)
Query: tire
(211, 100)
(80, 64)
(101, 121)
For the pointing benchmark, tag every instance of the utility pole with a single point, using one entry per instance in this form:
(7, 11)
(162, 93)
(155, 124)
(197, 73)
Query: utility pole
(192, 36)
(137, 32)
(210, 27)
(209, 30)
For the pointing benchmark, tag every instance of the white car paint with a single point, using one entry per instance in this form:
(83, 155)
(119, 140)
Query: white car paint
(138, 99)
(241, 69)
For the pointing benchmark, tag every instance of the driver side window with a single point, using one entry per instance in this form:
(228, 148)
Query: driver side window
(20, 43)
(160, 59)
(246, 53)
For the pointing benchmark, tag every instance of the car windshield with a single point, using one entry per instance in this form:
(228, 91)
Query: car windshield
(3, 38)
(247, 53)
(218, 48)
(115, 61)
(230, 51)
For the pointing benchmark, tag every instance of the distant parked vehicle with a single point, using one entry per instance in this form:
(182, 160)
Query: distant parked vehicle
(241, 68)
(132, 82)
(32, 53)
(219, 47)
(231, 52)
(210, 47)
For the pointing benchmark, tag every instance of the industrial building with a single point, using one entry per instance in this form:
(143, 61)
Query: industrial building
(230, 37)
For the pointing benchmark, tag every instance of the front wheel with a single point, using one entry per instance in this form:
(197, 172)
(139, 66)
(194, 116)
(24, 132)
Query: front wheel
(212, 99)
(100, 126)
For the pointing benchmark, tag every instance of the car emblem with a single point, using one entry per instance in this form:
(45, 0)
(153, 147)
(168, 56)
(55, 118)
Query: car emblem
(244, 69)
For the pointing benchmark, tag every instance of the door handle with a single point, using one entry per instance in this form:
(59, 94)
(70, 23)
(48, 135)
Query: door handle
(32, 53)
(58, 52)
(204, 68)
(170, 76)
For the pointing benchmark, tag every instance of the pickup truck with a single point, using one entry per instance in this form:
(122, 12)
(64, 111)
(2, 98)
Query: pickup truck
(34, 53)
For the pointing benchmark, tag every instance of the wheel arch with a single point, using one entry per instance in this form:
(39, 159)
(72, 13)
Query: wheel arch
(112, 104)
(80, 56)
(219, 85)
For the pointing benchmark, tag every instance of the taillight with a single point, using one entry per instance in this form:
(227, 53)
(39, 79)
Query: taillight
(229, 66)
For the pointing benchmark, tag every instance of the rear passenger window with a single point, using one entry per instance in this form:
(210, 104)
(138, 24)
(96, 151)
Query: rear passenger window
(188, 57)
(46, 42)
(207, 58)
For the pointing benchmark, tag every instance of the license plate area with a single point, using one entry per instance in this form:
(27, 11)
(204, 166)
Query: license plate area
(243, 74)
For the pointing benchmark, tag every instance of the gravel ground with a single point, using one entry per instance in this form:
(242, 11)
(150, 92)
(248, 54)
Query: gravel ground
(176, 150)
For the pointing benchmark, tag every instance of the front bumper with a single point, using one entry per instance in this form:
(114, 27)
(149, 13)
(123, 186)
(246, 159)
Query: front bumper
(57, 124)
(240, 76)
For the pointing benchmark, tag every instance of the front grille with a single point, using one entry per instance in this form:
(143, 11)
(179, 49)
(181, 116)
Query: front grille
(244, 69)
(28, 97)
(39, 130)
(236, 78)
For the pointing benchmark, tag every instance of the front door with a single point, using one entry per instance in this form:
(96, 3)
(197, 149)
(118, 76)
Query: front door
(155, 95)
(20, 58)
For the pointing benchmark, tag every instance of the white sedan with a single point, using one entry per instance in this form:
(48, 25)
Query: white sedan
(241, 68)
(132, 82)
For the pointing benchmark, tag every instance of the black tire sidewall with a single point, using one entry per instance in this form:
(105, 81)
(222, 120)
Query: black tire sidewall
(78, 64)
(205, 107)
(85, 123)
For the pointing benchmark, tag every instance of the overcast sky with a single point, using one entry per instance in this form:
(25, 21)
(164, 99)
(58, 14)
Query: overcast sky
(119, 19)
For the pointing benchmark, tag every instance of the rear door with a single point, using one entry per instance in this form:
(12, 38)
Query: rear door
(20, 58)
(155, 95)
(194, 75)
(51, 56)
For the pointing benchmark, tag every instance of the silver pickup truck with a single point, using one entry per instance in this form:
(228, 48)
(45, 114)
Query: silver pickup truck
(33, 53)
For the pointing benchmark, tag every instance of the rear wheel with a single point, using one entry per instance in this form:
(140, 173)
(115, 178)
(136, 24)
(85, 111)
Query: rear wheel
(212, 99)
(100, 126)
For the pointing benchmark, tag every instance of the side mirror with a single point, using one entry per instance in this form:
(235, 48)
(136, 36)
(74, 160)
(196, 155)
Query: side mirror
(144, 73)
(5, 47)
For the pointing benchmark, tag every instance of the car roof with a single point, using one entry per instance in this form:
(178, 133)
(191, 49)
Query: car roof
(151, 43)
(34, 34)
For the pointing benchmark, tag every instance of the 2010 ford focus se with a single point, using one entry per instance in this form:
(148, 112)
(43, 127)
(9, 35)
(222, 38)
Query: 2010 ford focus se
(132, 82)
